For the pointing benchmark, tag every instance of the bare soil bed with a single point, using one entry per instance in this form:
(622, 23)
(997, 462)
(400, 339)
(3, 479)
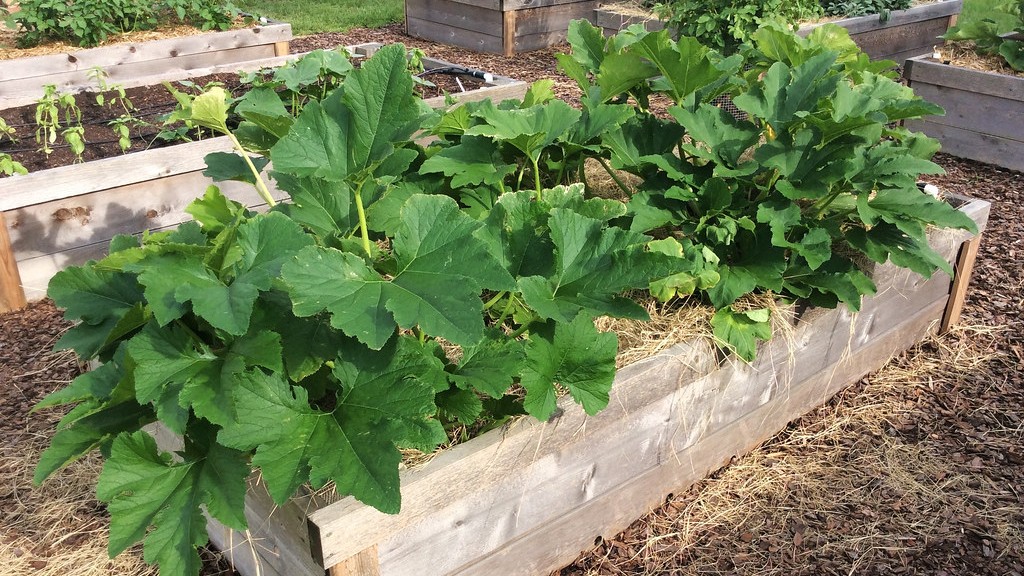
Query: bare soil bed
(918, 469)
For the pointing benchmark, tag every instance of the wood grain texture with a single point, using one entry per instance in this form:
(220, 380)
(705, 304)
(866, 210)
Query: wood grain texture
(568, 534)
(124, 64)
(958, 296)
(552, 20)
(469, 39)
(974, 145)
(977, 112)
(77, 179)
(924, 70)
(12, 296)
(457, 15)
(365, 563)
(937, 10)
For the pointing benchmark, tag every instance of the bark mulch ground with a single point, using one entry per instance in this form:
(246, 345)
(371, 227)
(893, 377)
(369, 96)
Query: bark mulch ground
(917, 469)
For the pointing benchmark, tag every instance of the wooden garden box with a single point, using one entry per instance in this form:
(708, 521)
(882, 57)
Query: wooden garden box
(137, 63)
(64, 216)
(984, 118)
(905, 33)
(497, 26)
(528, 498)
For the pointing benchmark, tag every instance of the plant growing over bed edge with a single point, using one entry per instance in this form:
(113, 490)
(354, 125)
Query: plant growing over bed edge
(406, 287)
(984, 33)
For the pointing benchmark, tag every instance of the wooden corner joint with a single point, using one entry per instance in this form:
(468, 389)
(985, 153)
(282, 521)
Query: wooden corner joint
(365, 563)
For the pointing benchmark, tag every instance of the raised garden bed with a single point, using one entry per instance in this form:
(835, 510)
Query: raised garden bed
(528, 498)
(497, 26)
(984, 111)
(140, 64)
(67, 215)
(905, 33)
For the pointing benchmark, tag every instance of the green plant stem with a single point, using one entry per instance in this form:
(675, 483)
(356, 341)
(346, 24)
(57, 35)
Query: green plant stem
(821, 206)
(615, 177)
(536, 176)
(497, 297)
(522, 330)
(507, 310)
(261, 186)
(361, 211)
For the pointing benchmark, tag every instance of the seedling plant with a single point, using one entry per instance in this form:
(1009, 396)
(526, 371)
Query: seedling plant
(407, 288)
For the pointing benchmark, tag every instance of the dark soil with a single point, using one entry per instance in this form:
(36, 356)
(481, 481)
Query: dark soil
(974, 422)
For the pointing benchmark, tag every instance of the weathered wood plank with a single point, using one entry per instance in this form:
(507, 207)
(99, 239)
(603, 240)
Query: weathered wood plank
(538, 41)
(958, 297)
(74, 180)
(129, 64)
(12, 296)
(923, 71)
(976, 146)
(887, 43)
(53, 236)
(566, 535)
(937, 10)
(472, 40)
(509, 5)
(450, 13)
(119, 54)
(553, 19)
(981, 113)
(26, 91)
(365, 563)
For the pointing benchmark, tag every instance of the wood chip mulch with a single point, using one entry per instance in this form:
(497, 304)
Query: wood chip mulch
(938, 436)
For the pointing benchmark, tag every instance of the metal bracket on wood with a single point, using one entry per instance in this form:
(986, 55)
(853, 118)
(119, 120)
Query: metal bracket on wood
(12, 295)
(961, 280)
(366, 563)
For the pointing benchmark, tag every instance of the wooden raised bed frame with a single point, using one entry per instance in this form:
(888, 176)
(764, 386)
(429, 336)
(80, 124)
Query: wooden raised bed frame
(984, 118)
(527, 499)
(55, 218)
(906, 33)
(139, 63)
(496, 26)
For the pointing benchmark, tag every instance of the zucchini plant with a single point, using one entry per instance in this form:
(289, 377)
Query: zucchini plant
(407, 288)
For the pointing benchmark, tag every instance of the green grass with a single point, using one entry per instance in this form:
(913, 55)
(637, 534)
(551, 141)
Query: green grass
(978, 9)
(309, 16)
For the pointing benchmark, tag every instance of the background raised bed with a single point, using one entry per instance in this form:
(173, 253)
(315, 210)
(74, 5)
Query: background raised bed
(984, 111)
(496, 26)
(528, 498)
(64, 216)
(139, 63)
(904, 34)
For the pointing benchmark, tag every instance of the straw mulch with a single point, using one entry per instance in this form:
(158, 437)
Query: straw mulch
(917, 469)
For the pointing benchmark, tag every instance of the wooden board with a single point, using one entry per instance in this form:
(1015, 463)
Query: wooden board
(475, 40)
(126, 64)
(511, 27)
(984, 118)
(924, 70)
(612, 21)
(906, 33)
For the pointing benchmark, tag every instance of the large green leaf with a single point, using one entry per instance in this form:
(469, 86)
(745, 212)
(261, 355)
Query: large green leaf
(594, 264)
(144, 489)
(99, 298)
(441, 269)
(573, 355)
(740, 331)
